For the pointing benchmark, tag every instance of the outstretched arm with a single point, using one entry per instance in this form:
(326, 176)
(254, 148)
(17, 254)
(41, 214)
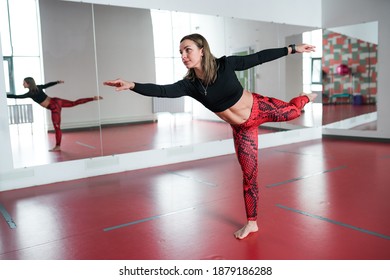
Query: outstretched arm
(52, 84)
(177, 89)
(248, 61)
(22, 96)
(120, 84)
(301, 48)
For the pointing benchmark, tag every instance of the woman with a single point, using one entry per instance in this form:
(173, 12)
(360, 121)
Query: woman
(54, 104)
(213, 83)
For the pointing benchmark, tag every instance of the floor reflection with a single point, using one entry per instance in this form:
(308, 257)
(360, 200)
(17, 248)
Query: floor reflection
(337, 112)
(30, 143)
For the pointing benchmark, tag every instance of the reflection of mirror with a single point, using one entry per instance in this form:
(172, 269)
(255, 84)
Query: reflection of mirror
(62, 54)
(80, 47)
(350, 56)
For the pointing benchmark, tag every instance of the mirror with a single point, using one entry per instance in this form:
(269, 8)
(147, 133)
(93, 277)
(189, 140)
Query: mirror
(349, 74)
(80, 47)
(68, 54)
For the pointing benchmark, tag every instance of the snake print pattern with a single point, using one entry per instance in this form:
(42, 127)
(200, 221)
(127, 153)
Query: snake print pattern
(55, 106)
(264, 109)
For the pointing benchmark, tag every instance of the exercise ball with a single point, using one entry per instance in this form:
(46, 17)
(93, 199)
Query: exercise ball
(342, 69)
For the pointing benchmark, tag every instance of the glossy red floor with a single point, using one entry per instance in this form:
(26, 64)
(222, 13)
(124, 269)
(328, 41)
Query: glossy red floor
(322, 199)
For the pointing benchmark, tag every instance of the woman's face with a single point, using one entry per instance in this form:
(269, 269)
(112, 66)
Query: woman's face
(191, 55)
(25, 84)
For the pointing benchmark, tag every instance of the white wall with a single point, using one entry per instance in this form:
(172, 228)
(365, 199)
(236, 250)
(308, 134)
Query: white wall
(124, 48)
(67, 43)
(69, 53)
(364, 31)
(298, 12)
(6, 150)
(124, 42)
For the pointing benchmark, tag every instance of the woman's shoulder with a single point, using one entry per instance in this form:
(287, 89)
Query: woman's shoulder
(222, 59)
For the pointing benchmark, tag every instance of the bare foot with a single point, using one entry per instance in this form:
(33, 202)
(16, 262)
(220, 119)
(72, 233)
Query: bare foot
(55, 149)
(97, 97)
(250, 227)
(311, 96)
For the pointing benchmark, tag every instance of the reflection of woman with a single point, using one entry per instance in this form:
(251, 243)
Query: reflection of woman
(54, 104)
(213, 83)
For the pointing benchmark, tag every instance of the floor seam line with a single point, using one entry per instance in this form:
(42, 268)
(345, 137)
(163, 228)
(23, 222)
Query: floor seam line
(305, 177)
(333, 221)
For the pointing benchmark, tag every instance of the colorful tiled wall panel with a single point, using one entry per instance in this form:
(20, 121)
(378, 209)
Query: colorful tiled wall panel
(361, 58)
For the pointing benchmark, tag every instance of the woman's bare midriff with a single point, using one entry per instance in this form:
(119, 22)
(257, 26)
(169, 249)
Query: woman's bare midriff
(239, 112)
(46, 102)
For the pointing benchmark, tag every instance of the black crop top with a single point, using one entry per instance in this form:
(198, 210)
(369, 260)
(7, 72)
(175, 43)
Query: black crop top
(224, 92)
(38, 96)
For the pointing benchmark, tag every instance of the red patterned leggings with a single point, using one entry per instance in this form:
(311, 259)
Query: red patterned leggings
(264, 109)
(55, 106)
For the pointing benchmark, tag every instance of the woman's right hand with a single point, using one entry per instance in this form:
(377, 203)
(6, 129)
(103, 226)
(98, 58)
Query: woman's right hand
(120, 84)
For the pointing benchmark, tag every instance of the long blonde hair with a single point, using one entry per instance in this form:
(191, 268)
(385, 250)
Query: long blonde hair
(31, 84)
(209, 64)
